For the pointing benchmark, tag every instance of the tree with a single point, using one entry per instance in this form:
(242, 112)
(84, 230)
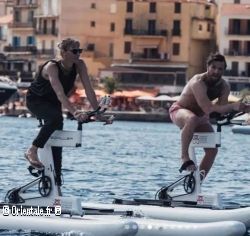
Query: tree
(110, 84)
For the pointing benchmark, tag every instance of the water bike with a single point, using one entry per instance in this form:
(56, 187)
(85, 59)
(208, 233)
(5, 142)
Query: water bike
(28, 206)
(184, 200)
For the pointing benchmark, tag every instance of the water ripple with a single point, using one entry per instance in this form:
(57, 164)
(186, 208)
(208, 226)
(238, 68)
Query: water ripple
(126, 159)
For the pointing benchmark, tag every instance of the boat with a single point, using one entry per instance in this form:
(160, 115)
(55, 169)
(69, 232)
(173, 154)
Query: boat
(115, 225)
(7, 89)
(241, 129)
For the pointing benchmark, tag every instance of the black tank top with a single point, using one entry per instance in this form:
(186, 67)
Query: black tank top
(41, 88)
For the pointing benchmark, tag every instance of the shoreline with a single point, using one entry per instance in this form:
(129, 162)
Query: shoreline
(119, 115)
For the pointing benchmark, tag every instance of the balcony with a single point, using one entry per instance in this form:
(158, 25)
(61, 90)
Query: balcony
(9, 3)
(235, 52)
(238, 32)
(47, 32)
(145, 32)
(16, 24)
(20, 49)
(45, 51)
(26, 4)
(135, 56)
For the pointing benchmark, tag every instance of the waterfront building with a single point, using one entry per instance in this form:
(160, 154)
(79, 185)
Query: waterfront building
(161, 44)
(46, 29)
(144, 44)
(20, 46)
(233, 39)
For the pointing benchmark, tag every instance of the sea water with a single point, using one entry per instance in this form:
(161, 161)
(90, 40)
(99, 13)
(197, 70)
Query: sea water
(124, 160)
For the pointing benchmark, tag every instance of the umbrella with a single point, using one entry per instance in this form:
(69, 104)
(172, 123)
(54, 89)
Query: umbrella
(145, 98)
(164, 98)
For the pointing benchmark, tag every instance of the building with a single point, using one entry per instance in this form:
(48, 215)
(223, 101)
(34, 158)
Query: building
(46, 29)
(20, 46)
(144, 44)
(161, 44)
(233, 29)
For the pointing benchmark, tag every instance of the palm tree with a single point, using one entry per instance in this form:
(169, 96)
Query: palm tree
(110, 84)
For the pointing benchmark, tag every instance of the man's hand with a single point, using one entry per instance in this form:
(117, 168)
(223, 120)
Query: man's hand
(107, 119)
(240, 106)
(80, 115)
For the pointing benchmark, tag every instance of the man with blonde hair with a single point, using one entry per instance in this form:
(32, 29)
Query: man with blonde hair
(49, 92)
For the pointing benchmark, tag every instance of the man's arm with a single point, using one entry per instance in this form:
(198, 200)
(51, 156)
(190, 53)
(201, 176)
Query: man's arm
(52, 71)
(82, 70)
(199, 90)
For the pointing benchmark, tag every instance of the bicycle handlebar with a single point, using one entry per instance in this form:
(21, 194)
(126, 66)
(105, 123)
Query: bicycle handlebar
(225, 119)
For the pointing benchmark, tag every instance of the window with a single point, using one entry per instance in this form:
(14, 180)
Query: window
(152, 7)
(235, 68)
(130, 6)
(112, 27)
(237, 1)
(31, 16)
(93, 6)
(91, 47)
(53, 27)
(176, 28)
(111, 49)
(200, 27)
(176, 49)
(30, 40)
(127, 47)
(17, 16)
(45, 26)
(151, 27)
(16, 42)
(208, 27)
(92, 24)
(177, 7)
(128, 26)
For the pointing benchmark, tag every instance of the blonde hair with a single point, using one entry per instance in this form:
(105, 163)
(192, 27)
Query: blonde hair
(65, 44)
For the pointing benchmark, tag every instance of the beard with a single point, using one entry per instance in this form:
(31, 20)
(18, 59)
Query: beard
(212, 81)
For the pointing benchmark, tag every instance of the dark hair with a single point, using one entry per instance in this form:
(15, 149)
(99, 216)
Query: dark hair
(216, 57)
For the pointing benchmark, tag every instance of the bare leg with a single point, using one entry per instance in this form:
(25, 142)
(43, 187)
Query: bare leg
(188, 122)
(31, 156)
(210, 153)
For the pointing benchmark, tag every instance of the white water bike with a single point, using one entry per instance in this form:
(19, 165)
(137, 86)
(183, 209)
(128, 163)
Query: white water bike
(190, 204)
(137, 218)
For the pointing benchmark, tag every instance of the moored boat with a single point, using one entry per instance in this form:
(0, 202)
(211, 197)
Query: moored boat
(7, 89)
(241, 129)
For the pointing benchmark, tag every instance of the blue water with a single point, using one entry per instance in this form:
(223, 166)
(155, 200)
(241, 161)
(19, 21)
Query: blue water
(126, 159)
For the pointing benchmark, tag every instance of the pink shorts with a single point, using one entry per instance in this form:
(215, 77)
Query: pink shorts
(176, 107)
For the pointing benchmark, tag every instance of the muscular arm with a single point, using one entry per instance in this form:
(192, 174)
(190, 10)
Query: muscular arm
(83, 74)
(200, 93)
(51, 71)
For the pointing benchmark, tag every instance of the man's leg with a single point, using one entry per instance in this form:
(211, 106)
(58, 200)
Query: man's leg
(210, 153)
(188, 122)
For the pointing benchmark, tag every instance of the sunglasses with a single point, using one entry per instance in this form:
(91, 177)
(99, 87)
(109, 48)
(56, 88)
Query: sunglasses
(76, 50)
